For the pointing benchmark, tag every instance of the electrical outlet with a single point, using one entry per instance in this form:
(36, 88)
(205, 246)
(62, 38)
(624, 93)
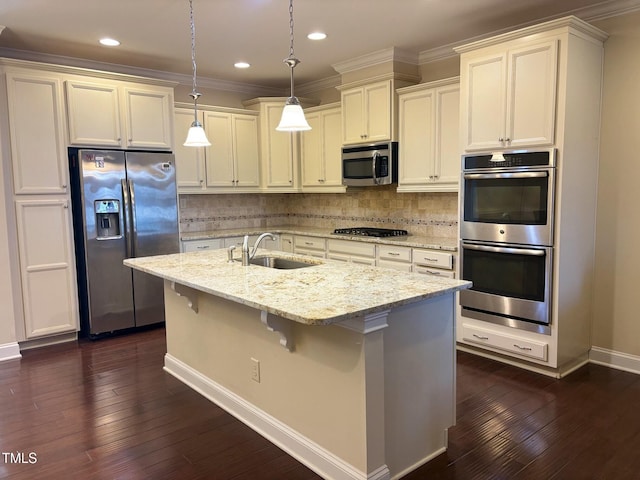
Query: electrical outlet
(255, 370)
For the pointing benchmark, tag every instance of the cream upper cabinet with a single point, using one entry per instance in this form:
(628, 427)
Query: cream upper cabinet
(47, 266)
(37, 132)
(231, 164)
(190, 161)
(120, 115)
(278, 150)
(232, 159)
(367, 113)
(321, 150)
(509, 95)
(428, 137)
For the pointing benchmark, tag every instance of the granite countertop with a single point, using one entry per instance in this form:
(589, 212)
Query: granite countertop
(418, 241)
(325, 293)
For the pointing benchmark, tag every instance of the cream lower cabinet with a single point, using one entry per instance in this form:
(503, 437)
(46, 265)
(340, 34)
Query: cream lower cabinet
(509, 96)
(321, 150)
(47, 266)
(313, 246)
(396, 257)
(428, 135)
(231, 164)
(119, 114)
(352, 252)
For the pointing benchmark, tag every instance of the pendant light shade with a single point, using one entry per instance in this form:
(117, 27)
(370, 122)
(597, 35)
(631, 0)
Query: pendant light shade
(196, 137)
(292, 115)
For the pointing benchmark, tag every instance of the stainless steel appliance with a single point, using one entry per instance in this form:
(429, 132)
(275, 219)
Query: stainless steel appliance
(510, 201)
(373, 164)
(370, 232)
(506, 230)
(124, 205)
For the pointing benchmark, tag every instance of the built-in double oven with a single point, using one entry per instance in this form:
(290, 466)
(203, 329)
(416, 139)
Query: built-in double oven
(506, 231)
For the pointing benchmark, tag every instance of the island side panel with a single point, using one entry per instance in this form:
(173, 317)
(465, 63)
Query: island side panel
(318, 390)
(419, 369)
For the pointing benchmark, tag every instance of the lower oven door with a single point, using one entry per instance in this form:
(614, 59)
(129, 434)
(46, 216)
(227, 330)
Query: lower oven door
(511, 284)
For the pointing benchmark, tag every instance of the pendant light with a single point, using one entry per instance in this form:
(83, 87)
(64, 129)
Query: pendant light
(292, 119)
(196, 136)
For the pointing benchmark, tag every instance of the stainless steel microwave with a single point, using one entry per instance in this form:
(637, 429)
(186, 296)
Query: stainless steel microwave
(370, 164)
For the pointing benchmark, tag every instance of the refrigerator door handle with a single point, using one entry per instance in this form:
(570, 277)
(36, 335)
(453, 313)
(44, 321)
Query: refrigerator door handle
(134, 223)
(126, 214)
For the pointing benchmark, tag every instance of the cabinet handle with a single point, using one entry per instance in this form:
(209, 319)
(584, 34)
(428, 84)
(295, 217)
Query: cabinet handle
(203, 247)
(430, 259)
(308, 243)
(519, 347)
(393, 254)
(480, 337)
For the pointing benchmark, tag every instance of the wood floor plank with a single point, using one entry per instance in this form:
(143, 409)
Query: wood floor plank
(95, 410)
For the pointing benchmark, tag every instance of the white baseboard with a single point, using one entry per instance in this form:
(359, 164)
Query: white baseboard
(9, 351)
(317, 458)
(613, 359)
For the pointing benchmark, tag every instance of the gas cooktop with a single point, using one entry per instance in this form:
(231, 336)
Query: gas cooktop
(370, 232)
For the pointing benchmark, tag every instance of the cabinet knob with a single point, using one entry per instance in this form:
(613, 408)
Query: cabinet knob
(508, 140)
(501, 139)
(64, 186)
(321, 180)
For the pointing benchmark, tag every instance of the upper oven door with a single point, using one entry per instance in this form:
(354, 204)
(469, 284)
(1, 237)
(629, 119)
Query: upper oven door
(508, 206)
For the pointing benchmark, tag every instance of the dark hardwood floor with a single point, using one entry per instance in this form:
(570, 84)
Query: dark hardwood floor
(107, 410)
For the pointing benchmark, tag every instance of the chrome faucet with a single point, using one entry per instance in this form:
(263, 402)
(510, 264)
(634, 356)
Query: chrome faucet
(248, 255)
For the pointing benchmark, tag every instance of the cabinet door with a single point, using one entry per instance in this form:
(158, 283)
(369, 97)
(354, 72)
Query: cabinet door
(417, 113)
(189, 160)
(531, 93)
(312, 154)
(245, 150)
(277, 151)
(36, 124)
(148, 118)
(353, 122)
(378, 111)
(220, 154)
(447, 163)
(47, 266)
(94, 114)
(484, 104)
(332, 147)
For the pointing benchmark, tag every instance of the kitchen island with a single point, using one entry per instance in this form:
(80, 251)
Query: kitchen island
(350, 369)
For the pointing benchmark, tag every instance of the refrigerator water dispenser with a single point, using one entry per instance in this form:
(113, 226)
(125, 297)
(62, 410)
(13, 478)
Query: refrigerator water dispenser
(107, 219)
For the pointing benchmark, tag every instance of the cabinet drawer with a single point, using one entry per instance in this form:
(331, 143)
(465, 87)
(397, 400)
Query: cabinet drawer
(508, 343)
(352, 248)
(309, 243)
(433, 271)
(401, 266)
(197, 245)
(432, 258)
(399, 254)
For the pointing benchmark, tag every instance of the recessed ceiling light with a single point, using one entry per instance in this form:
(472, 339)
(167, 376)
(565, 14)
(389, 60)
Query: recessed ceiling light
(241, 65)
(109, 42)
(317, 36)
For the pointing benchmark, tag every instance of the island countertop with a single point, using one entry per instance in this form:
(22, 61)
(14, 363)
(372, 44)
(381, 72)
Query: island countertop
(325, 293)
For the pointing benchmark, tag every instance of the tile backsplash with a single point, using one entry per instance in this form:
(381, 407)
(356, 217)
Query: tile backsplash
(429, 214)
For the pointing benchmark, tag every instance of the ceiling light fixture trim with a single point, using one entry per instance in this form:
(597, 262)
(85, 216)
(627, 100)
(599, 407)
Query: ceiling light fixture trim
(292, 119)
(196, 137)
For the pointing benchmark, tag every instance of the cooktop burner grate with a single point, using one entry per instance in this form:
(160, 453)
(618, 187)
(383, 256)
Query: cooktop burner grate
(370, 232)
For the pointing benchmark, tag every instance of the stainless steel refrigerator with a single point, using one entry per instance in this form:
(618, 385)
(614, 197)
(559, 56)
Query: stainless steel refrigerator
(124, 205)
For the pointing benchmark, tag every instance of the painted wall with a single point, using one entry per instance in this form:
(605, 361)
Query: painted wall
(616, 323)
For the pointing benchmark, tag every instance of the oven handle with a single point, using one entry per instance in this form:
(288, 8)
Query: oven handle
(376, 155)
(520, 251)
(474, 176)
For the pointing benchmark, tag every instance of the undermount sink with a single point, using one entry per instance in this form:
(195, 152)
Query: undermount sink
(279, 263)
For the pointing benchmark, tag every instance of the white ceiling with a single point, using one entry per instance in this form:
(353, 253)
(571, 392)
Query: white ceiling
(155, 34)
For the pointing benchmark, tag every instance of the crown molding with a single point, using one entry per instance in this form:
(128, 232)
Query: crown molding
(376, 58)
(318, 85)
(114, 69)
(601, 11)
